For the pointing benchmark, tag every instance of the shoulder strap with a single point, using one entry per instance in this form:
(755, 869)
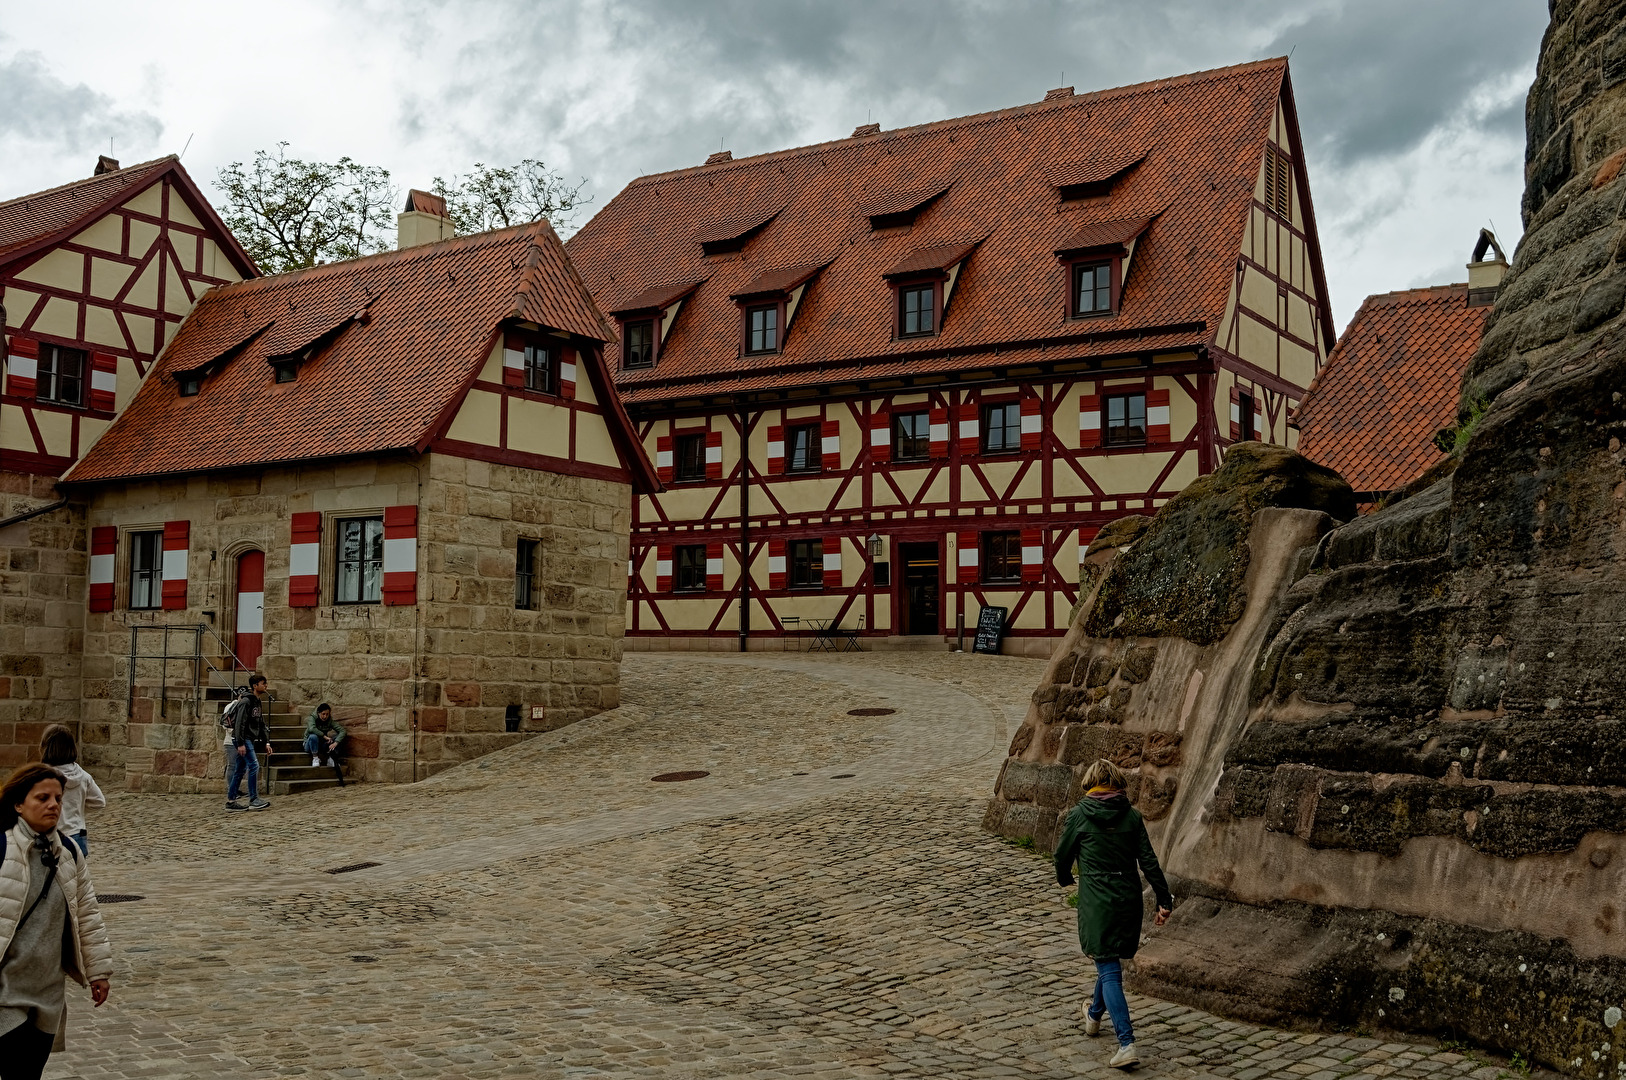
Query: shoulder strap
(67, 842)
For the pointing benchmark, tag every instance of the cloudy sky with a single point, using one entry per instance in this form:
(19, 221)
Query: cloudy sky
(1412, 109)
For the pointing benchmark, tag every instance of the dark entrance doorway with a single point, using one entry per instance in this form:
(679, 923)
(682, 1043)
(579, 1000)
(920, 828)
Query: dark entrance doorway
(919, 604)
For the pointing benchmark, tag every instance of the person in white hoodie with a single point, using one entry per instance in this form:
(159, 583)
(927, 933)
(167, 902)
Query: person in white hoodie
(59, 750)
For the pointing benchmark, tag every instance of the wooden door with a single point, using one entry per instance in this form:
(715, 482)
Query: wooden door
(250, 608)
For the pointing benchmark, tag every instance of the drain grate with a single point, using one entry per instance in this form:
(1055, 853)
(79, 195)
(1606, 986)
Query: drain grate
(870, 712)
(678, 777)
(843, 776)
(351, 868)
(117, 898)
(361, 959)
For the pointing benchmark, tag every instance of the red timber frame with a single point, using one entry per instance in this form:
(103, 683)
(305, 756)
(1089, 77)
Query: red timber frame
(178, 253)
(973, 502)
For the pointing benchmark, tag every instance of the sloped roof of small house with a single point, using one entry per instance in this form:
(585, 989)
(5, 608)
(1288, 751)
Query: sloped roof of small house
(1390, 384)
(1185, 152)
(31, 222)
(400, 337)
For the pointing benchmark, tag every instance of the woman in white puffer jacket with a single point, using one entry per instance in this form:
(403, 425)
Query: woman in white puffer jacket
(46, 899)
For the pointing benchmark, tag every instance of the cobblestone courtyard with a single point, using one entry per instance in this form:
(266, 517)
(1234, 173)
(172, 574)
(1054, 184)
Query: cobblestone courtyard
(823, 905)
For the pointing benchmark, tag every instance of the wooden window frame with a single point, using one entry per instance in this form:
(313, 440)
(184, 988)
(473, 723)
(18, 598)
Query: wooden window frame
(697, 553)
(339, 563)
(924, 440)
(815, 448)
(1005, 539)
(48, 374)
(154, 572)
(748, 310)
(1076, 267)
(812, 563)
(1278, 182)
(984, 436)
(680, 440)
(527, 564)
(548, 367)
(1107, 438)
(900, 291)
(650, 346)
(1246, 404)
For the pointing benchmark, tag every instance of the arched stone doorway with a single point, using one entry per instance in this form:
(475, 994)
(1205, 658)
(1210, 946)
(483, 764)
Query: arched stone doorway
(250, 628)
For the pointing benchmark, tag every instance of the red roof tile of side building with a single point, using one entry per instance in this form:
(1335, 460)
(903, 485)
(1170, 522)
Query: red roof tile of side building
(30, 222)
(1389, 385)
(401, 337)
(1186, 153)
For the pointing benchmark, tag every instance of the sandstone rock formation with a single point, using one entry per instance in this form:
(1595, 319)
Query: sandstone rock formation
(1400, 797)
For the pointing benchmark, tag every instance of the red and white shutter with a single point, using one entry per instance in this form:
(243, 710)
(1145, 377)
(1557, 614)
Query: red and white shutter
(830, 445)
(567, 372)
(832, 562)
(401, 555)
(1236, 412)
(513, 360)
(304, 559)
(663, 458)
(1089, 421)
(776, 450)
(966, 430)
(104, 380)
(880, 435)
(177, 538)
(714, 455)
(1259, 418)
(776, 564)
(1032, 555)
(1157, 416)
(23, 368)
(663, 568)
(938, 419)
(969, 557)
(714, 566)
(1032, 423)
(104, 546)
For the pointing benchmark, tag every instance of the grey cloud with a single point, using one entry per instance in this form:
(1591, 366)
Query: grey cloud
(42, 108)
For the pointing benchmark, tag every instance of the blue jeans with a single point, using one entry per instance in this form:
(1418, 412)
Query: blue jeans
(1109, 999)
(316, 746)
(83, 842)
(244, 763)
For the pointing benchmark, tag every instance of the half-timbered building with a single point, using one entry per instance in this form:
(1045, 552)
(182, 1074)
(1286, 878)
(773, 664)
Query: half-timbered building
(95, 277)
(895, 378)
(400, 484)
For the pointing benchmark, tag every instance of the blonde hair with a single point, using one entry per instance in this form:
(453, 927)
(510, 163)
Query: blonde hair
(1105, 774)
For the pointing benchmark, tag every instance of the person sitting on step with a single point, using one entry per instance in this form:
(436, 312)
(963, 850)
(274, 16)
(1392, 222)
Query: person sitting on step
(323, 737)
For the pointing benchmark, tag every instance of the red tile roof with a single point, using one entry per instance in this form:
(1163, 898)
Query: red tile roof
(1202, 137)
(658, 296)
(1104, 234)
(781, 280)
(937, 257)
(1096, 169)
(1389, 385)
(30, 222)
(413, 328)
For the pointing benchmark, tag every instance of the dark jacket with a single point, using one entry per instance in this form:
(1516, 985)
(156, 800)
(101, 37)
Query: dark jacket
(1107, 838)
(248, 723)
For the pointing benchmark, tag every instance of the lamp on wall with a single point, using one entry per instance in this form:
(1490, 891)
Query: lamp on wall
(875, 543)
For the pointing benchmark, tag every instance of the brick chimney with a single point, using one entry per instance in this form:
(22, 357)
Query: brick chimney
(424, 220)
(1485, 274)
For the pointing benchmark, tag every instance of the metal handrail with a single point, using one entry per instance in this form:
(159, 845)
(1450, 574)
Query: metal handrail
(196, 658)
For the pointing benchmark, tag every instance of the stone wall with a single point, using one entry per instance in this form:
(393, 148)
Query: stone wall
(419, 687)
(42, 568)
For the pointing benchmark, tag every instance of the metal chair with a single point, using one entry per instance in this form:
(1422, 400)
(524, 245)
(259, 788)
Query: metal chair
(790, 625)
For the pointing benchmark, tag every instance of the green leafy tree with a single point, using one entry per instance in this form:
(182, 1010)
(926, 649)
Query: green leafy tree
(289, 213)
(495, 198)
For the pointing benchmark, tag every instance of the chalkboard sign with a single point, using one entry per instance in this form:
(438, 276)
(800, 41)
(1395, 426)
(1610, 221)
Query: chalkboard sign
(990, 630)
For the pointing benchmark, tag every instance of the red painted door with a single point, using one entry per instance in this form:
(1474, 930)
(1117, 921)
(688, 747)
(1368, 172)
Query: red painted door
(250, 608)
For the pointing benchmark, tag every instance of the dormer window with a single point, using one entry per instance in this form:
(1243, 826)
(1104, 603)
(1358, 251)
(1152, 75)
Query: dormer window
(191, 383)
(917, 309)
(638, 344)
(1093, 288)
(285, 367)
(762, 328)
(539, 361)
(897, 209)
(1094, 177)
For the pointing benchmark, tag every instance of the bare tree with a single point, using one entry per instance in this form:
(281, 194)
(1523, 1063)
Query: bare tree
(495, 198)
(289, 213)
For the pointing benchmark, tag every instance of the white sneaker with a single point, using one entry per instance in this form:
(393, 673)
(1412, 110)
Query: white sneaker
(315, 761)
(1125, 1057)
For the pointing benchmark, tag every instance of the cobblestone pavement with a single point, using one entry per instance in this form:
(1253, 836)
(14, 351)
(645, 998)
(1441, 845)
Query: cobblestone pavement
(822, 905)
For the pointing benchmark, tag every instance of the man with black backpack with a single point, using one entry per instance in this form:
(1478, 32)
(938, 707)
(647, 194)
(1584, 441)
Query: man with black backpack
(248, 732)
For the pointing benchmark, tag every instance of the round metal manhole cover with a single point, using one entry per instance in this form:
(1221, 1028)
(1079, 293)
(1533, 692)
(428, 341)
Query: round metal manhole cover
(843, 776)
(678, 777)
(870, 712)
(117, 898)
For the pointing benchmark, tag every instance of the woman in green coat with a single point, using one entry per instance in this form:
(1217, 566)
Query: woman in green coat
(1106, 838)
